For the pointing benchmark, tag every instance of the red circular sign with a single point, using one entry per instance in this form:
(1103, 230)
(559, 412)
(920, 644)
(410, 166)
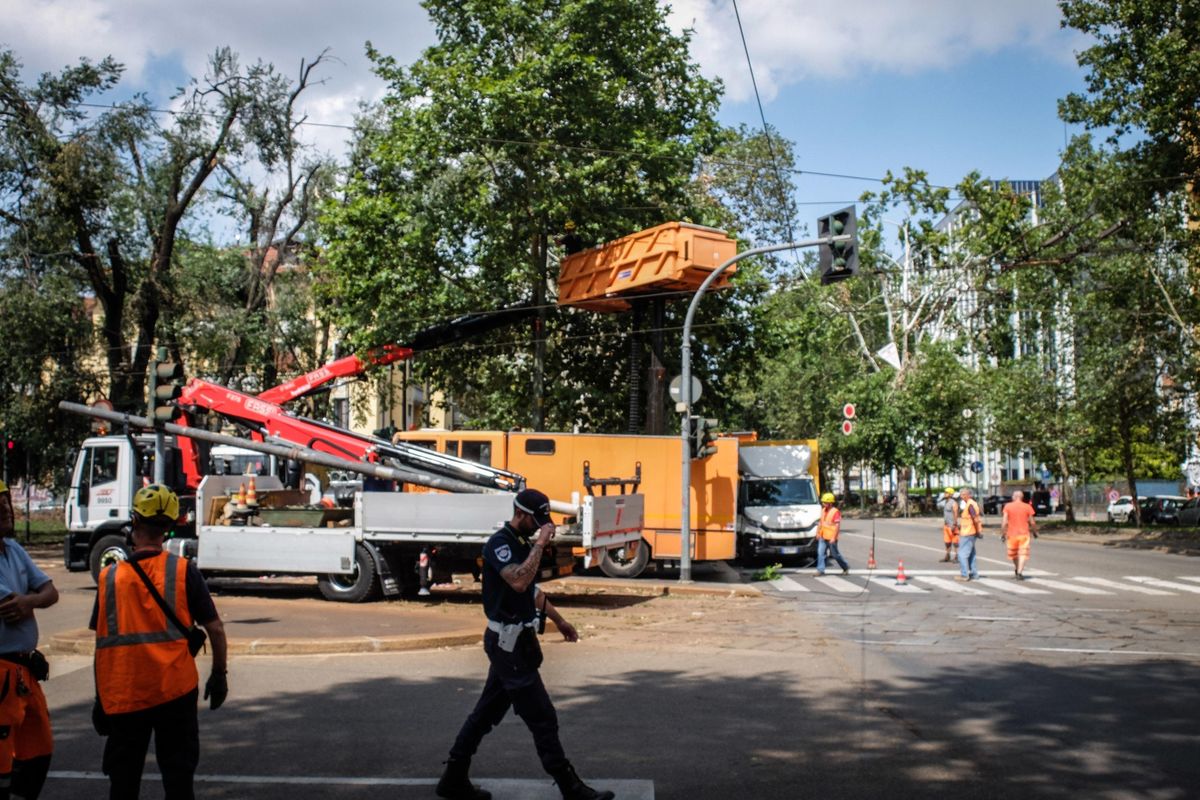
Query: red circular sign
(848, 411)
(847, 427)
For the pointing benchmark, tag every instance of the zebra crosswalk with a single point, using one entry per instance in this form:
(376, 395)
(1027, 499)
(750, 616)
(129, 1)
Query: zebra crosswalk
(995, 582)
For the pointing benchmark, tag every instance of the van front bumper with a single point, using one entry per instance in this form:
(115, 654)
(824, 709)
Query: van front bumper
(755, 545)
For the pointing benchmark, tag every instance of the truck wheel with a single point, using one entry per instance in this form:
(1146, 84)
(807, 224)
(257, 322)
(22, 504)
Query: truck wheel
(357, 587)
(107, 550)
(621, 563)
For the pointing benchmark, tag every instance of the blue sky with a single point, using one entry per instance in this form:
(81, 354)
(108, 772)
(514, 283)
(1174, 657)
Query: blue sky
(947, 86)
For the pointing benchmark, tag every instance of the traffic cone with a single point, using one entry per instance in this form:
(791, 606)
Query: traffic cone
(239, 499)
(871, 558)
(901, 578)
(252, 494)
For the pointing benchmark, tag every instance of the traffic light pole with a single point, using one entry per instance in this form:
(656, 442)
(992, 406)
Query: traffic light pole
(685, 405)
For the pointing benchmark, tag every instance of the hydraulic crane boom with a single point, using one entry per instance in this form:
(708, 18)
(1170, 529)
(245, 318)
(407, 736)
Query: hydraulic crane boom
(456, 330)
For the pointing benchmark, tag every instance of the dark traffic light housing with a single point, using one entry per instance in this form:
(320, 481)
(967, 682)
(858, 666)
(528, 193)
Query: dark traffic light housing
(700, 435)
(166, 385)
(838, 260)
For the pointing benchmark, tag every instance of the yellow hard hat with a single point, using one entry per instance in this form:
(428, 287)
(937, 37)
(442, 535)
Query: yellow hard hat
(949, 491)
(156, 505)
(828, 498)
(570, 225)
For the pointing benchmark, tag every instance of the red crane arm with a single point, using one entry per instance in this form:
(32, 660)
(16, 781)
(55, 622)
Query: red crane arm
(342, 368)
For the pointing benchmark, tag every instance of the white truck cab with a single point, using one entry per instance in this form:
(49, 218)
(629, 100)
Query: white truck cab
(778, 504)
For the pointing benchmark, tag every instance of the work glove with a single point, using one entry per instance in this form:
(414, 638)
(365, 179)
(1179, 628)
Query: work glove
(217, 688)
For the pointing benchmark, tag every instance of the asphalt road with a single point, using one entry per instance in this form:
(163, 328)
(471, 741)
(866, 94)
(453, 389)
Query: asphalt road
(842, 690)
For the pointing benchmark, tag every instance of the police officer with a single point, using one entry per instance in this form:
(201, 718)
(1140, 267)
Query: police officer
(146, 679)
(26, 742)
(514, 604)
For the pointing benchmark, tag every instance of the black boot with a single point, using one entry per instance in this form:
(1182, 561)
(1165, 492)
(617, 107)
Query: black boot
(573, 788)
(455, 785)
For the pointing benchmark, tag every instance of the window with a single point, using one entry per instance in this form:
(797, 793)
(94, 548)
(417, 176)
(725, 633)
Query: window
(479, 452)
(428, 444)
(103, 465)
(539, 447)
(452, 447)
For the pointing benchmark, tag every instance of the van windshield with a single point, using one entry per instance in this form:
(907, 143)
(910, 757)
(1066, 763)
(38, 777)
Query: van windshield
(780, 492)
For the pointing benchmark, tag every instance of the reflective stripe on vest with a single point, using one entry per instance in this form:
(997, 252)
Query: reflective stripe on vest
(968, 525)
(142, 658)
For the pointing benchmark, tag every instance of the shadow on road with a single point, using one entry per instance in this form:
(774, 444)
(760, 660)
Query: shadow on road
(1013, 731)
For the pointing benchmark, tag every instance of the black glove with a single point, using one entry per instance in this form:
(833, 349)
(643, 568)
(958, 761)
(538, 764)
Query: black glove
(100, 720)
(217, 688)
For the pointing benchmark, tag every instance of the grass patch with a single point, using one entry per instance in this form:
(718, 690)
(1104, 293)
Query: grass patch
(41, 531)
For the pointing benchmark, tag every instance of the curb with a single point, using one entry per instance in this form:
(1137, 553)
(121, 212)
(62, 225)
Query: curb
(583, 586)
(82, 642)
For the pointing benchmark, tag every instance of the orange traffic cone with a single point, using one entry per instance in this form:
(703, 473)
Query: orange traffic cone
(871, 559)
(901, 578)
(252, 494)
(239, 499)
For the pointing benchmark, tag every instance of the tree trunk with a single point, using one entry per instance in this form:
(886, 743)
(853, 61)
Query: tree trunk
(1068, 494)
(902, 476)
(656, 372)
(537, 384)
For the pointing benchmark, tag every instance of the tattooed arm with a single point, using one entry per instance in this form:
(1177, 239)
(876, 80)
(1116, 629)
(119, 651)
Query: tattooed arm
(520, 576)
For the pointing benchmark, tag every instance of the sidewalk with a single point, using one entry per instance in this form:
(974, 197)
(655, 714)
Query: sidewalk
(288, 616)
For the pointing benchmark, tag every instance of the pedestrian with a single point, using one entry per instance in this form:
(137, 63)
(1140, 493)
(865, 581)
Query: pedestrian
(1015, 528)
(828, 529)
(146, 678)
(970, 531)
(26, 741)
(950, 524)
(516, 610)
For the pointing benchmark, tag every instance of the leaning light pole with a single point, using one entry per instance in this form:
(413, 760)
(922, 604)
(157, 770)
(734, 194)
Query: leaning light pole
(838, 260)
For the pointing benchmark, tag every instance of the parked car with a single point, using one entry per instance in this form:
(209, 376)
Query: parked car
(1161, 509)
(1040, 500)
(994, 502)
(1190, 513)
(1121, 509)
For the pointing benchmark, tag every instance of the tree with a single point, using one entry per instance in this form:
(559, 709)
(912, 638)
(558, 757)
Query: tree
(523, 116)
(105, 198)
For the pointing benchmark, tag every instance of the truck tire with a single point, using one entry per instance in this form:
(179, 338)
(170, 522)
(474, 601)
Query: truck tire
(106, 550)
(619, 563)
(359, 586)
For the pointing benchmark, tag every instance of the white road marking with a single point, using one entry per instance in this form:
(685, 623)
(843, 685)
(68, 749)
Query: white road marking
(889, 583)
(1183, 587)
(1011, 586)
(1112, 652)
(840, 584)
(499, 787)
(786, 584)
(1067, 587)
(960, 588)
(1125, 587)
(996, 619)
(918, 546)
(1189, 578)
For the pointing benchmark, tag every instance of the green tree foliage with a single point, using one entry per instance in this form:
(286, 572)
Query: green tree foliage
(103, 199)
(523, 116)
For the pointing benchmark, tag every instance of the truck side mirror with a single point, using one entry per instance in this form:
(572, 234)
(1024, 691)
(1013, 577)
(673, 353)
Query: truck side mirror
(82, 489)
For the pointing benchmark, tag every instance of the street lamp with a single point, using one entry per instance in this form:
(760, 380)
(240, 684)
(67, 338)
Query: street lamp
(685, 404)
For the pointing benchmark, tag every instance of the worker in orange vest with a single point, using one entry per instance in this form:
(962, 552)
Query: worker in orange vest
(26, 741)
(970, 531)
(828, 529)
(146, 678)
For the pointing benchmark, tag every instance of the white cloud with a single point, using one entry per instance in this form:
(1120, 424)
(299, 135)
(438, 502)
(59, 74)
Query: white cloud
(794, 40)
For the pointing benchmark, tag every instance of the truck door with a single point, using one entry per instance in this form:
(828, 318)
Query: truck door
(97, 493)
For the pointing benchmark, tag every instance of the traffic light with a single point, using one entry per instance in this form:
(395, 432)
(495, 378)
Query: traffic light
(838, 260)
(700, 435)
(166, 384)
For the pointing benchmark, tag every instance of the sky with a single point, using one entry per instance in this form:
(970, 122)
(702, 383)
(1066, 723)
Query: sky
(861, 87)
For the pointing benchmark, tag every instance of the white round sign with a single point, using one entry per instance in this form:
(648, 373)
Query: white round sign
(676, 387)
(848, 411)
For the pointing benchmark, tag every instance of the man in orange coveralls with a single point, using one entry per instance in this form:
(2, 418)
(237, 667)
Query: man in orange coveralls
(1018, 524)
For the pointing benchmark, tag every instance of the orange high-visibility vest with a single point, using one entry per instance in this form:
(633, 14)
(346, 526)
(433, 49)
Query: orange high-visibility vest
(142, 660)
(828, 529)
(968, 525)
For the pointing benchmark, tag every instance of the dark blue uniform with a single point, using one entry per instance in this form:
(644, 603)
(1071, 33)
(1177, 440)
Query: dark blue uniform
(513, 678)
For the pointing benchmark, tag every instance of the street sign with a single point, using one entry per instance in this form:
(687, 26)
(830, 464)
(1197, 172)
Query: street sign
(977, 467)
(1113, 496)
(1045, 474)
(676, 387)
(848, 411)
(847, 427)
